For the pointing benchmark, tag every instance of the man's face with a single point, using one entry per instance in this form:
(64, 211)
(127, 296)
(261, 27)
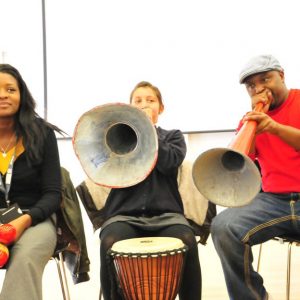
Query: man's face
(270, 82)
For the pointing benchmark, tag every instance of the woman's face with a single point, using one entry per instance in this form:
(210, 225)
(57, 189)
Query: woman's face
(146, 99)
(9, 95)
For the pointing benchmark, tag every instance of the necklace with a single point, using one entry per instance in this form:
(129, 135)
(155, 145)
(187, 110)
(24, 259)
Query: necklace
(4, 150)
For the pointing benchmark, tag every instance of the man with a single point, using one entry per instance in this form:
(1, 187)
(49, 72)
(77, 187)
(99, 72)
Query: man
(276, 210)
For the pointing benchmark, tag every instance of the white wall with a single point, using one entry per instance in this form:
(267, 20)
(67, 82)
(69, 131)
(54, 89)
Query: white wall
(192, 50)
(21, 43)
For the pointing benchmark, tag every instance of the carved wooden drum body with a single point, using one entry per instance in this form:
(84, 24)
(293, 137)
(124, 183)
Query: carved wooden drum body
(149, 268)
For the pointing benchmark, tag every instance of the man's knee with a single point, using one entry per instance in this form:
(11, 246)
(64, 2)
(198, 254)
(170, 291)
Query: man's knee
(220, 226)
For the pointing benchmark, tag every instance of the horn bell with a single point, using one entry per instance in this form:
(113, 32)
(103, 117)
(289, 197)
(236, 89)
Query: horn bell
(226, 177)
(116, 145)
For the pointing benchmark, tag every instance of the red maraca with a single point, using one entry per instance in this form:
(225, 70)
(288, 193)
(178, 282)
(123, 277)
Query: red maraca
(4, 255)
(7, 236)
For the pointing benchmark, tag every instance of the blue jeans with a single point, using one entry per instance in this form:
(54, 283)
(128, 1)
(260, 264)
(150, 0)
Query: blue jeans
(235, 230)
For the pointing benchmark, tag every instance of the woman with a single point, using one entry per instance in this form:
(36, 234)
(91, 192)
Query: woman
(152, 207)
(28, 150)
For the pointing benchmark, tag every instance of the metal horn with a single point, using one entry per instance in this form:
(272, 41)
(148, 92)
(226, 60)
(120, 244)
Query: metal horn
(227, 176)
(116, 145)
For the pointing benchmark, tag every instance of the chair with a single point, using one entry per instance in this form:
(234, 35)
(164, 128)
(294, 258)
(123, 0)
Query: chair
(284, 239)
(198, 210)
(71, 246)
(58, 258)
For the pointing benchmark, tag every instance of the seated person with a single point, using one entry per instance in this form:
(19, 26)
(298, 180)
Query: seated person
(29, 153)
(276, 210)
(152, 207)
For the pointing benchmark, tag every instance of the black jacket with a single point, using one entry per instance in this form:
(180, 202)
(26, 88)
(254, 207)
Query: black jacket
(70, 232)
(37, 188)
(158, 193)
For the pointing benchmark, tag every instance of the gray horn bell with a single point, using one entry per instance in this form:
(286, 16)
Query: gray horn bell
(116, 145)
(227, 176)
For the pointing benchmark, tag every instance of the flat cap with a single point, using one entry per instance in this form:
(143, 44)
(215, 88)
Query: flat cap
(259, 64)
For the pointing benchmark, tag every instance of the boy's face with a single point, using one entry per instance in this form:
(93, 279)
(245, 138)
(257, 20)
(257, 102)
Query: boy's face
(146, 99)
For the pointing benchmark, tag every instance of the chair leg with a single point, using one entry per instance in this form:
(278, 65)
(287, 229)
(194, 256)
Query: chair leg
(259, 256)
(288, 276)
(62, 276)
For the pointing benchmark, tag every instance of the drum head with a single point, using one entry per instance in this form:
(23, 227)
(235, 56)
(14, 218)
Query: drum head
(147, 245)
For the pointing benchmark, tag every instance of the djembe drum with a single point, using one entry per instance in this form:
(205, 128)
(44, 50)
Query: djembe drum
(149, 268)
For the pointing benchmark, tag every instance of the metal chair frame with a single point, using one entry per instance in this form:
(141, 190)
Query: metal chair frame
(290, 242)
(59, 260)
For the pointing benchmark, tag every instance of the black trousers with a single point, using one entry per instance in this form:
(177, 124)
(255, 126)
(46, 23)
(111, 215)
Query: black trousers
(190, 288)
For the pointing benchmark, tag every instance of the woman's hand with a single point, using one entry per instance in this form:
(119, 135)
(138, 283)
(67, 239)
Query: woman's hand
(21, 224)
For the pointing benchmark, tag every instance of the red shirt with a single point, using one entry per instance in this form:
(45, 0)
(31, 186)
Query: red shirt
(279, 162)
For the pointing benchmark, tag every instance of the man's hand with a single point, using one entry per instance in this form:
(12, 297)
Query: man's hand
(265, 97)
(264, 122)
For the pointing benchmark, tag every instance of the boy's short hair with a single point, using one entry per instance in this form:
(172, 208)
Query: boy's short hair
(144, 84)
